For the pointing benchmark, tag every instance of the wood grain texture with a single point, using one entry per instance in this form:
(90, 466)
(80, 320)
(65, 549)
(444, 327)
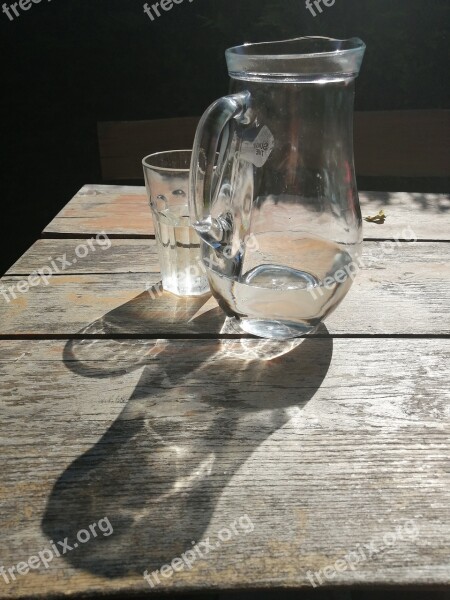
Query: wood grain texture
(325, 445)
(115, 209)
(112, 256)
(402, 292)
(124, 210)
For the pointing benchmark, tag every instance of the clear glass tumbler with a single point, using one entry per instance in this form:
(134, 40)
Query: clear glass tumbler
(167, 182)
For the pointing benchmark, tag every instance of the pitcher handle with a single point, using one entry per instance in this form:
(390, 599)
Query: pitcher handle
(203, 181)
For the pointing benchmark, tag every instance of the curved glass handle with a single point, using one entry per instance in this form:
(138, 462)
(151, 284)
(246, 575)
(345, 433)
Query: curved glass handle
(214, 123)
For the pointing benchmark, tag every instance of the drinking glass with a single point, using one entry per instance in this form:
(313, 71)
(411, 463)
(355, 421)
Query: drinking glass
(167, 182)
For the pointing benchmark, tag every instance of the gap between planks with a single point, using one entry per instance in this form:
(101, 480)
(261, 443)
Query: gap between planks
(216, 336)
(138, 236)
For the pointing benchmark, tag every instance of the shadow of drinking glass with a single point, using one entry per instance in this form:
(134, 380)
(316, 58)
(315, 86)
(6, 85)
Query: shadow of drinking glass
(198, 412)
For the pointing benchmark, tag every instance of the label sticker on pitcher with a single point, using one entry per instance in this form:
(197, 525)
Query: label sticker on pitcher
(258, 151)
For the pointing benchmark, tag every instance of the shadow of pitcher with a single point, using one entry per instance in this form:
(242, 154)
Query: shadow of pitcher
(198, 412)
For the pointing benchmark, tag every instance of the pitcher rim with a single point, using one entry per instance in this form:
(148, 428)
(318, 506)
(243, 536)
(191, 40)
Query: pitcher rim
(359, 46)
(316, 59)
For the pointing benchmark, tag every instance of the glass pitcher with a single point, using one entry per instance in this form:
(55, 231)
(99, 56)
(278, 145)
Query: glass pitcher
(273, 191)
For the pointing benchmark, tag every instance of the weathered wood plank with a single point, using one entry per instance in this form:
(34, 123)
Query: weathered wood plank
(402, 292)
(117, 210)
(124, 210)
(109, 255)
(313, 449)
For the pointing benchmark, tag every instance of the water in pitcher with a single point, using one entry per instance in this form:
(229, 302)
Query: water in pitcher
(283, 300)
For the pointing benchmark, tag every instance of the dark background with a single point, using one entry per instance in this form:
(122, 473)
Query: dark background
(68, 64)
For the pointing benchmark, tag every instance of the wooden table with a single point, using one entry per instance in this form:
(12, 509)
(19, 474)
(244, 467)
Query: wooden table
(322, 461)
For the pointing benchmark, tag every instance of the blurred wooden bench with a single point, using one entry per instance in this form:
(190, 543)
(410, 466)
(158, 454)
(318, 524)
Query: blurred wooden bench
(412, 143)
(124, 144)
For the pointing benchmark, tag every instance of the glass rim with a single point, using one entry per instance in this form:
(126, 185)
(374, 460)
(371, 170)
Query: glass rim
(146, 164)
